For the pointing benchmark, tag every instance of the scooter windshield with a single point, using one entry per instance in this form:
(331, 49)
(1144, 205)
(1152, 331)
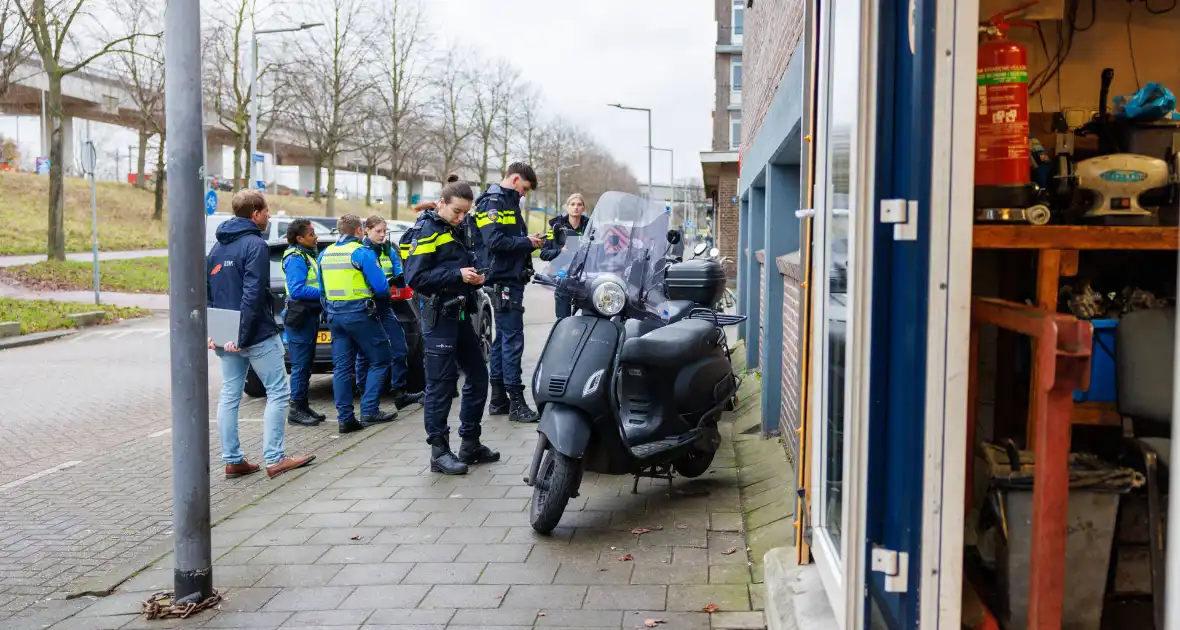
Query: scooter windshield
(627, 238)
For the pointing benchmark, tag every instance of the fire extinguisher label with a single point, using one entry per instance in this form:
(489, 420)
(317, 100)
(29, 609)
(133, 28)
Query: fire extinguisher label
(1002, 149)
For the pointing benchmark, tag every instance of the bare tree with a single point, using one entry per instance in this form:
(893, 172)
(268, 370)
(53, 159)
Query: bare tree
(331, 111)
(452, 106)
(401, 89)
(492, 90)
(15, 38)
(376, 146)
(51, 30)
(143, 64)
(530, 124)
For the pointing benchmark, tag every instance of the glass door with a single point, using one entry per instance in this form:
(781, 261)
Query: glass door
(841, 199)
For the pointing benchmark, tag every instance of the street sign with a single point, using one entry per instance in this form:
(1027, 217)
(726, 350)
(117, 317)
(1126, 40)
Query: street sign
(42, 166)
(258, 158)
(89, 157)
(211, 202)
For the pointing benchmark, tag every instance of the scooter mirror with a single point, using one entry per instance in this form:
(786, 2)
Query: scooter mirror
(714, 253)
(673, 237)
(699, 249)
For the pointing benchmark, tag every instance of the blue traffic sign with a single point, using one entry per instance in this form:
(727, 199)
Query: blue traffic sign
(211, 202)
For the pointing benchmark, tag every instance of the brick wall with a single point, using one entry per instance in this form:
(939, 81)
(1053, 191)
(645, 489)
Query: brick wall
(773, 29)
(726, 217)
(791, 270)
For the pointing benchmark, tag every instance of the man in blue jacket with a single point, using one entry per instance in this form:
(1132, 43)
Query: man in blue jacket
(353, 281)
(509, 250)
(238, 279)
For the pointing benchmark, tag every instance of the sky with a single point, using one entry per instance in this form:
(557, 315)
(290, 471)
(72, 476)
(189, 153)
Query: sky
(655, 54)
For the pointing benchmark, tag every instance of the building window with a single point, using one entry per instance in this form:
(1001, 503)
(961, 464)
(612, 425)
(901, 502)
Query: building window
(739, 8)
(735, 73)
(735, 129)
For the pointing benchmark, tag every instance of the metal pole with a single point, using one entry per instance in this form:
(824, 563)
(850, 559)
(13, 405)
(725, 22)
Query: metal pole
(93, 209)
(253, 104)
(44, 128)
(649, 195)
(193, 572)
(557, 204)
(1172, 553)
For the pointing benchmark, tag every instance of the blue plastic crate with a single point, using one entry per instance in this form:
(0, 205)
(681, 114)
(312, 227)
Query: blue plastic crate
(1102, 379)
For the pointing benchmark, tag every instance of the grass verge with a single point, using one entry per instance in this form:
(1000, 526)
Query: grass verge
(138, 275)
(43, 315)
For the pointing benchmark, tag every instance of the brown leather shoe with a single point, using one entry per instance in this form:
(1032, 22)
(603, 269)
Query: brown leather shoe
(233, 471)
(288, 463)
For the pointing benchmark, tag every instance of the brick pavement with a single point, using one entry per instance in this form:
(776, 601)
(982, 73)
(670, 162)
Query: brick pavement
(372, 539)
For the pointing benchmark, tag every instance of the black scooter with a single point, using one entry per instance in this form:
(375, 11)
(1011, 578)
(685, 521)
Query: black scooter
(626, 393)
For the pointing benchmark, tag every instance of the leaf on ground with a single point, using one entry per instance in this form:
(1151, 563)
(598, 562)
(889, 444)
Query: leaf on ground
(682, 526)
(651, 623)
(355, 538)
(540, 613)
(639, 531)
(626, 558)
(657, 527)
(711, 608)
(729, 552)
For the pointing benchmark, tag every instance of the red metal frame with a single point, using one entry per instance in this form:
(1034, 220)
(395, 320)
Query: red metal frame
(1062, 347)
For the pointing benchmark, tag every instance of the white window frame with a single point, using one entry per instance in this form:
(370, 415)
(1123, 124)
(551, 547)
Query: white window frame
(735, 142)
(735, 66)
(739, 7)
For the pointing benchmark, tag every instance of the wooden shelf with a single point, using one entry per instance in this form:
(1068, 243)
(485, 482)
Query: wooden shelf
(1097, 414)
(1076, 237)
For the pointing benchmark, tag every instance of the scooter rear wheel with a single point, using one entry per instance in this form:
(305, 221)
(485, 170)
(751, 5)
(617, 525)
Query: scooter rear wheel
(694, 464)
(557, 481)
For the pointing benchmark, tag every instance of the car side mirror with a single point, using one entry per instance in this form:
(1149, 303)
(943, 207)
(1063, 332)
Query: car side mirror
(699, 249)
(714, 253)
(673, 237)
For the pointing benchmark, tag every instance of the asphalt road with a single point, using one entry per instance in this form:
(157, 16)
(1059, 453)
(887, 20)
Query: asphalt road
(85, 453)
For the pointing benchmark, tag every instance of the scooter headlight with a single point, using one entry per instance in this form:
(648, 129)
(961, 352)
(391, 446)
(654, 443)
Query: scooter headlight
(608, 296)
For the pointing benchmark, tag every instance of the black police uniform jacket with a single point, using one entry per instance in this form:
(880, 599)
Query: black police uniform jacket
(436, 251)
(505, 235)
(558, 225)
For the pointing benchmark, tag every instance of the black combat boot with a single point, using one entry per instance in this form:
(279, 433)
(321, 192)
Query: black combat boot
(520, 411)
(403, 399)
(319, 417)
(442, 460)
(498, 401)
(297, 415)
(350, 426)
(380, 418)
(472, 451)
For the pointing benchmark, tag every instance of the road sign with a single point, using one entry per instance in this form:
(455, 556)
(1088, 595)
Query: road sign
(89, 157)
(211, 202)
(42, 166)
(258, 159)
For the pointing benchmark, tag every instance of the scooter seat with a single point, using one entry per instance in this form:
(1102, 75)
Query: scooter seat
(673, 345)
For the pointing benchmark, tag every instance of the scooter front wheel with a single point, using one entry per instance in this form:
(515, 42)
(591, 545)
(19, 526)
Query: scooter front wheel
(556, 482)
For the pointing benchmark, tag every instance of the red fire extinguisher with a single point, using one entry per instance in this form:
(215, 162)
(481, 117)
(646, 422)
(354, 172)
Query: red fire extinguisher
(1001, 118)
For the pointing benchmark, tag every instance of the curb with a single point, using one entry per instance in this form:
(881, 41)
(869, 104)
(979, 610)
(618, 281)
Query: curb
(105, 585)
(35, 338)
(795, 597)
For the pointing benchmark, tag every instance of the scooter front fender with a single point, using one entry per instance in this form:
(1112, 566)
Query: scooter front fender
(566, 428)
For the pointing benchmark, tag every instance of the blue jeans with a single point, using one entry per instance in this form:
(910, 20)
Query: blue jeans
(301, 345)
(354, 333)
(397, 349)
(452, 345)
(266, 357)
(508, 346)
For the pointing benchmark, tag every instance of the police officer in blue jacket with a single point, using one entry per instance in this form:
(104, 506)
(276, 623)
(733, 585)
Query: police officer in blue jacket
(301, 318)
(353, 283)
(391, 266)
(439, 267)
(509, 250)
(561, 227)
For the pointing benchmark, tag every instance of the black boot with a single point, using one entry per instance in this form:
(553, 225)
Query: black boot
(471, 451)
(350, 426)
(319, 417)
(297, 415)
(520, 411)
(403, 399)
(442, 460)
(498, 401)
(380, 418)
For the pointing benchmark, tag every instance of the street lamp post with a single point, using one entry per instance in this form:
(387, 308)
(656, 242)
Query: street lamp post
(254, 98)
(559, 170)
(642, 109)
(671, 177)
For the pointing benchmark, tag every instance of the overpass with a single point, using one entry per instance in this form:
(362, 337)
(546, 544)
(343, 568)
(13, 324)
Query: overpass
(103, 97)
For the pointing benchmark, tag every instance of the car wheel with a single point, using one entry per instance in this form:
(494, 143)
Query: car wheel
(254, 387)
(486, 334)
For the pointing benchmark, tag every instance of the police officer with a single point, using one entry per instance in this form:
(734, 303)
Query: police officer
(301, 318)
(439, 267)
(572, 223)
(391, 266)
(353, 284)
(509, 251)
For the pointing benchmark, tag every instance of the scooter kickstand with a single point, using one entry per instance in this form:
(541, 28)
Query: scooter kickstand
(635, 486)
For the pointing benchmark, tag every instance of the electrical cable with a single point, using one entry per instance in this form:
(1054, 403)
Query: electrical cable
(1131, 45)
(1147, 3)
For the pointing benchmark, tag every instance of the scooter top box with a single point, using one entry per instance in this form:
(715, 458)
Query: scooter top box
(699, 280)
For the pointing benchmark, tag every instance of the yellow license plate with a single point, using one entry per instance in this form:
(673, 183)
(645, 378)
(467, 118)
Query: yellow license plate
(323, 336)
